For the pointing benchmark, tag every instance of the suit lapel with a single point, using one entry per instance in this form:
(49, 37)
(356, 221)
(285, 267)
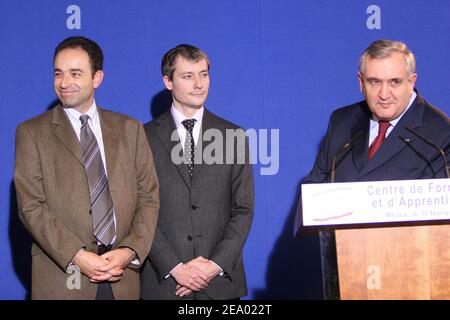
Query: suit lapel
(63, 129)
(359, 149)
(394, 142)
(110, 144)
(164, 132)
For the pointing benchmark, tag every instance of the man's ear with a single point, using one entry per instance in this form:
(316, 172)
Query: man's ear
(167, 82)
(98, 78)
(413, 79)
(360, 81)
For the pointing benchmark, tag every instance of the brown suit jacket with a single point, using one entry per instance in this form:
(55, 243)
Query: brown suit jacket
(54, 203)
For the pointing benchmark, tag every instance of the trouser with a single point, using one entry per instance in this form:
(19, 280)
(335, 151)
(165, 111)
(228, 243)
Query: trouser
(104, 290)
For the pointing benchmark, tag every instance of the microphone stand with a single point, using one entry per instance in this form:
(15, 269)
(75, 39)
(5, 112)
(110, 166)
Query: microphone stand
(428, 142)
(327, 239)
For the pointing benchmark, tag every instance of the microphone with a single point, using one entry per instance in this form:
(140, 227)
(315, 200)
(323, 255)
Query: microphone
(420, 154)
(428, 142)
(341, 149)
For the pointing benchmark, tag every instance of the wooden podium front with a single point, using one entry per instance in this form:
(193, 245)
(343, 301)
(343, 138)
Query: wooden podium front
(394, 262)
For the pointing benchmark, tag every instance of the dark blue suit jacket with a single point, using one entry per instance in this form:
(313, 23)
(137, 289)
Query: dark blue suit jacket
(396, 159)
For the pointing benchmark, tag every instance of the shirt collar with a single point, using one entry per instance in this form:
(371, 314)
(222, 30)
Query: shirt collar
(74, 114)
(396, 120)
(179, 117)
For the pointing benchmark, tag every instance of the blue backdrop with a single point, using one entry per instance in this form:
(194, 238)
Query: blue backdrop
(283, 64)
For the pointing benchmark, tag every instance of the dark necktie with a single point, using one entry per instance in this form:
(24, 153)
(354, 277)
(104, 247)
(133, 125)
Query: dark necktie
(382, 129)
(189, 145)
(101, 202)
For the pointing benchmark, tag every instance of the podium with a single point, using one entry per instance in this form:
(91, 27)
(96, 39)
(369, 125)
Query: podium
(390, 243)
(394, 262)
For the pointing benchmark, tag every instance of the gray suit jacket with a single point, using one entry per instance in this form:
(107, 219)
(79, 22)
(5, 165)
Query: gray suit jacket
(210, 216)
(54, 203)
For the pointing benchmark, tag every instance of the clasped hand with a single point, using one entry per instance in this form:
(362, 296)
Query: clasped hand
(107, 267)
(194, 275)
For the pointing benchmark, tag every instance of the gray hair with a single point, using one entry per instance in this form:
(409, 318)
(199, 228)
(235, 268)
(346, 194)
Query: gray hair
(381, 49)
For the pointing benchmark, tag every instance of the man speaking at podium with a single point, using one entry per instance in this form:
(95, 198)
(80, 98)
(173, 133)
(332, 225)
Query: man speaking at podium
(393, 134)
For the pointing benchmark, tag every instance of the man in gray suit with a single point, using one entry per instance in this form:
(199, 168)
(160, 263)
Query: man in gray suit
(206, 206)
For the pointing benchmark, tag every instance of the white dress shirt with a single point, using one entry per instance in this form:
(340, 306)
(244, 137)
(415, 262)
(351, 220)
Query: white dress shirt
(178, 117)
(94, 124)
(374, 121)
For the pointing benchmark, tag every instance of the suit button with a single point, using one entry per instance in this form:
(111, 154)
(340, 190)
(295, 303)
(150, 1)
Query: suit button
(90, 212)
(94, 242)
(189, 238)
(194, 207)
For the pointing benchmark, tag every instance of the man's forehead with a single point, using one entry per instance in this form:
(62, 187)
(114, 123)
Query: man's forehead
(183, 63)
(74, 56)
(388, 66)
(78, 51)
(395, 58)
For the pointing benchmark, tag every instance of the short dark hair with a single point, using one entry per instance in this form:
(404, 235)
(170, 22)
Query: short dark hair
(187, 51)
(93, 50)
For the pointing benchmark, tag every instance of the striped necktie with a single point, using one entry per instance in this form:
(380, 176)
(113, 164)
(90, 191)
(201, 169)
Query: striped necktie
(101, 202)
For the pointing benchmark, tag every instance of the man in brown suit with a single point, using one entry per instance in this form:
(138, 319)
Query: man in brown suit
(76, 254)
